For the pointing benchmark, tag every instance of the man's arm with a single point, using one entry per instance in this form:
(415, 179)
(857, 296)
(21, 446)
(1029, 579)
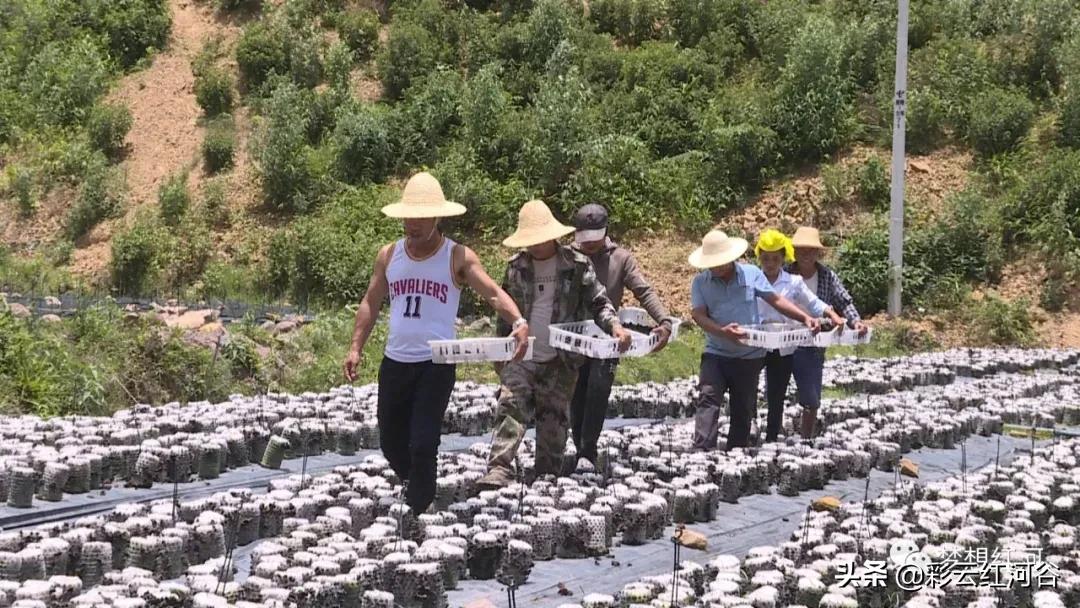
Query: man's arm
(635, 281)
(842, 301)
(637, 284)
(467, 266)
(815, 305)
(367, 312)
(790, 310)
(731, 331)
(602, 310)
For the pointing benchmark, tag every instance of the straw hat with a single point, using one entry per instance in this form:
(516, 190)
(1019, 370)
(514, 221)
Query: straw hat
(717, 249)
(806, 236)
(536, 225)
(774, 240)
(423, 198)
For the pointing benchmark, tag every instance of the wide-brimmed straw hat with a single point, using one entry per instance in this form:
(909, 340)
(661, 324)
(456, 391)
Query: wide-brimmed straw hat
(774, 240)
(423, 198)
(536, 225)
(806, 236)
(717, 249)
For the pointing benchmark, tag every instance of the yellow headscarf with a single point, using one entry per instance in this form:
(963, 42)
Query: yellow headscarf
(774, 240)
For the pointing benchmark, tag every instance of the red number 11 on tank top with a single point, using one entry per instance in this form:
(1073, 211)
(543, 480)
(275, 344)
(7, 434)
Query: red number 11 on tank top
(410, 311)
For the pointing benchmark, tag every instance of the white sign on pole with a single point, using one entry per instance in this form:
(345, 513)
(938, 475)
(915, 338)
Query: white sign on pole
(896, 204)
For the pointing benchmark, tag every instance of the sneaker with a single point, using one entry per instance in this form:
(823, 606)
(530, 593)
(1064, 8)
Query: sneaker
(496, 478)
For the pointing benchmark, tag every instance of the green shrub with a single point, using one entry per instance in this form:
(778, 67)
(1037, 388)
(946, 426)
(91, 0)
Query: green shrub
(360, 30)
(21, 180)
(835, 184)
(281, 151)
(242, 357)
(362, 145)
(262, 50)
(188, 253)
(219, 145)
(229, 281)
(614, 172)
(305, 57)
(631, 22)
(870, 41)
(107, 127)
(333, 250)
(63, 81)
(769, 27)
(491, 126)
(425, 120)
(873, 183)
(693, 21)
(659, 96)
(1069, 120)
(163, 367)
(410, 53)
(940, 258)
(132, 27)
(945, 76)
(174, 199)
(1001, 323)
(275, 274)
(492, 204)
(549, 23)
(741, 157)
(999, 120)
(337, 67)
(215, 203)
(100, 197)
(563, 122)
(136, 258)
(1044, 205)
(33, 368)
(214, 90)
(813, 115)
(679, 186)
(863, 265)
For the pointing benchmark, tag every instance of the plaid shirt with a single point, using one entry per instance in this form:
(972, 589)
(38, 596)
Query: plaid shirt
(830, 289)
(580, 294)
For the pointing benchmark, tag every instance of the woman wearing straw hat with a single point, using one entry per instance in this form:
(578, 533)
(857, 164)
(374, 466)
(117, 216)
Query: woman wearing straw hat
(809, 362)
(551, 283)
(773, 248)
(724, 296)
(422, 275)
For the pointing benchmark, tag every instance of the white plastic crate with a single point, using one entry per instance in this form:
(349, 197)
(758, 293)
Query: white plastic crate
(825, 339)
(586, 338)
(850, 337)
(640, 317)
(476, 350)
(777, 335)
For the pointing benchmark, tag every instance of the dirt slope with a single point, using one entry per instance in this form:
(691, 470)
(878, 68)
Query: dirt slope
(166, 130)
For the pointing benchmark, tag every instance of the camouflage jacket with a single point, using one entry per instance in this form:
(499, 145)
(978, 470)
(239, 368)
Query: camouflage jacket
(580, 295)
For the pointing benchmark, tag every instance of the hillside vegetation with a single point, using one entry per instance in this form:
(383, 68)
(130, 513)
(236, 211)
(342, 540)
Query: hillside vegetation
(676, 114)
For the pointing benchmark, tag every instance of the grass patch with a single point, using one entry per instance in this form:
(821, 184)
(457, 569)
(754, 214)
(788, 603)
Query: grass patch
(680, 359)
(832, 392)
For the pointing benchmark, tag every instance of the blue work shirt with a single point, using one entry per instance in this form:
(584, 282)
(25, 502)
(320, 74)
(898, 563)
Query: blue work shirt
(732, 301)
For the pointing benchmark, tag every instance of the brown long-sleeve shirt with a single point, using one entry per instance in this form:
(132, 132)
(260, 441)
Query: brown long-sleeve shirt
(617, 270)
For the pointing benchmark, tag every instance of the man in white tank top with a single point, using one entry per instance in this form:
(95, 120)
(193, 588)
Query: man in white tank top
(422, 275)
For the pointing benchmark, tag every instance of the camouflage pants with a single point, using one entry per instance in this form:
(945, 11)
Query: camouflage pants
(539, 391)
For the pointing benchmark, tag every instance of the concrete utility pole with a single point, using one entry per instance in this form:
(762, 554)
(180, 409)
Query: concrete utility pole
(896, 204)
